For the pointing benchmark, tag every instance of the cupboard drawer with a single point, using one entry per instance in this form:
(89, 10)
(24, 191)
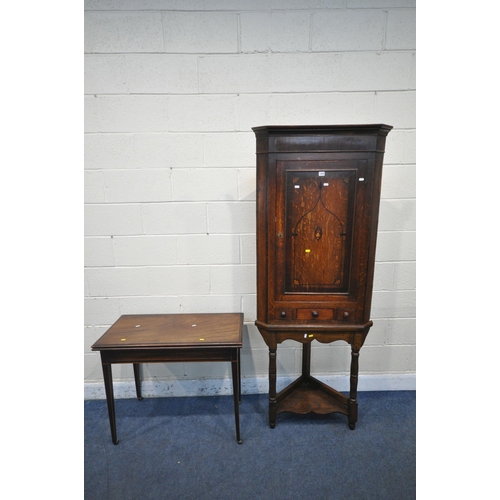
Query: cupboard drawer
(284, 314)
(346, 315)
(315, 314)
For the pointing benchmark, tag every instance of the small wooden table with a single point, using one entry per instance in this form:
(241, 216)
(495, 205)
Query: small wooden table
(160, 338)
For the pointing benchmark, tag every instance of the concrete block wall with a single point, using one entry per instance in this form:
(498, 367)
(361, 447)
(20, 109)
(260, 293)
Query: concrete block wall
(172, 89)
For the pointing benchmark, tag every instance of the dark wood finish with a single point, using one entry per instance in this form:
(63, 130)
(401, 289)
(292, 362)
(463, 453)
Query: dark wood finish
(161, 338)
(318, 195)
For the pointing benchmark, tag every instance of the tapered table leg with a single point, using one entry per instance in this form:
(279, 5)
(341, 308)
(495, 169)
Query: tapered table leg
(239, 374)
(273, 403)
(235, 369)
(137, 377)
(108, 386)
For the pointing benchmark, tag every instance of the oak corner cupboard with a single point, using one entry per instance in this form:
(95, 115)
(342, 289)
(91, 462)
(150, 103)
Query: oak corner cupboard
(318, 195)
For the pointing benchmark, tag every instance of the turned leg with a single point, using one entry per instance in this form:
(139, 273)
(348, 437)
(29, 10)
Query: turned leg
(235, 369)
(108, 386)
(272, 388)
(353, 402)
(306, 360)
(137, 378)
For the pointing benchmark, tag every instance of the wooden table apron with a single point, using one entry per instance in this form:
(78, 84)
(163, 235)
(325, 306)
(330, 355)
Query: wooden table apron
(137, 355)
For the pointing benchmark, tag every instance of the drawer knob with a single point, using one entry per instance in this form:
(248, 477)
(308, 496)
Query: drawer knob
(315, 314)
(283, 314)
(346, 314)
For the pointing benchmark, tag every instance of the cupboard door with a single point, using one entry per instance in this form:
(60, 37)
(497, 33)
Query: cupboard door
(317, 223)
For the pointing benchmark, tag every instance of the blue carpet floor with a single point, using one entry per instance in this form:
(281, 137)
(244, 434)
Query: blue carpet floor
(185, 448)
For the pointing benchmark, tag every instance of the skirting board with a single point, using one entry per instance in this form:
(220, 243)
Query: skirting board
(260, 385)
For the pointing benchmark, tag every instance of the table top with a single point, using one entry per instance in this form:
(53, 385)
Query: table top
(143, 331)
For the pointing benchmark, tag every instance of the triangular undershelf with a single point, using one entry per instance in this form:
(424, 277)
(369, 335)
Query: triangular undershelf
(308, 394)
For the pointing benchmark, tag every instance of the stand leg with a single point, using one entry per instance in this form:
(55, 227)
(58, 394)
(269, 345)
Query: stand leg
(108, 386)
(352, 402)
(137, 378)
(273, 404)
(306, 360)
(235, 369)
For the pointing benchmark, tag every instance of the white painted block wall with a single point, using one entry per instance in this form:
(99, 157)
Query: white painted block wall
(172, 89)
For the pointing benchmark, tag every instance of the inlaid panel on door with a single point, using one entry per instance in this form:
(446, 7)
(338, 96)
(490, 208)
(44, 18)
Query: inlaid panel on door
(319, 224)
(318, 231)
